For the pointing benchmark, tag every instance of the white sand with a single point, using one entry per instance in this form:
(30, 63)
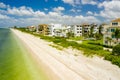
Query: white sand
(65, 66)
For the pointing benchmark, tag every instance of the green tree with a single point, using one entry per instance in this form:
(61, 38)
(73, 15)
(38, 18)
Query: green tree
(70, 34)
(91, 31)
(117, 34)
(97, 36)
(100, 29)
(116, 50)
(109, 40)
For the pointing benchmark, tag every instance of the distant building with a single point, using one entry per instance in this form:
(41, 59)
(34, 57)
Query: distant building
(54, 29)
(42, 29)
(108, 32)
(86, 28)
(77, 30)
(95, 28)
(58, 30)
(31, 28)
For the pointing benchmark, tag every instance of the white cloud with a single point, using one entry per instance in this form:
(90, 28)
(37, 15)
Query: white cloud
(89, 13)
(111, 9)
(68, 1)
(24, 16)
(2, 5)
(72, 2)
(58, 9)
(92, 2)
(74, 10)
(22, 11)
(3, 16)
(88, 19)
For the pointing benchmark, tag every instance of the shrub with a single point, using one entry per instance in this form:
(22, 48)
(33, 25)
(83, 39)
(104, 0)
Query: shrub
(116, 50)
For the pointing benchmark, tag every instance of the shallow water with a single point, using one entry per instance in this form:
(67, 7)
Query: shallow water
(15, 61)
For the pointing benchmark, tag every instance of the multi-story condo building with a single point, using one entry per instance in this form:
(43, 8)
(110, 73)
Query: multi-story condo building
(109, 32)
(77, 30)
(54, 29)
(86, 28)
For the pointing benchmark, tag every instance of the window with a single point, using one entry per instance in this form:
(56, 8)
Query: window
(112, 30)
(113, 36)
(77, 31)
(114, 23)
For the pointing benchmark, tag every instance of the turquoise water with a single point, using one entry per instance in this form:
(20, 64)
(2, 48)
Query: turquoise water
(15, 61)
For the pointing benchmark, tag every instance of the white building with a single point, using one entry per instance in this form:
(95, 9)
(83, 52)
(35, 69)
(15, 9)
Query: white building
(95, 29)
(77, 30)
(58, 30)
(109, 32)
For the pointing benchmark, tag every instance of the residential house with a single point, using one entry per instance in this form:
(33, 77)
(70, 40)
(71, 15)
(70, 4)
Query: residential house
(109, 37)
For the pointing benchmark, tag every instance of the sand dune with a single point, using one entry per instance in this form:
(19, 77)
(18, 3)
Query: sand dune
(63, 65)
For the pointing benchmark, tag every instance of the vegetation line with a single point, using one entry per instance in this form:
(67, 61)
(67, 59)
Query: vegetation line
(89, 47)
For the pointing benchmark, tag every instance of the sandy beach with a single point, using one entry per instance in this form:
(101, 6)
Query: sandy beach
(63, 65)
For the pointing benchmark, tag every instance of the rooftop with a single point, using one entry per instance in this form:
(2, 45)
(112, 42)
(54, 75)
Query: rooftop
(116, 20)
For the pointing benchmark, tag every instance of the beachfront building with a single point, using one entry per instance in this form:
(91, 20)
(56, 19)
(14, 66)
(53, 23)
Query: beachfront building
(31, 28)
(109, 30)
(42, 29)
(85, 29)
(95, 28)
(77, 30)
(58, 30)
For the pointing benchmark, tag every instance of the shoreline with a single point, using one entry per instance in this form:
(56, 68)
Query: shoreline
(37, 60)
(66, 66)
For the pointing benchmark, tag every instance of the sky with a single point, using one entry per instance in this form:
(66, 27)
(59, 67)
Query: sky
(34, 12)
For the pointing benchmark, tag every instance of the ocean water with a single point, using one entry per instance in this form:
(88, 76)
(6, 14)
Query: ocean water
(15, 61)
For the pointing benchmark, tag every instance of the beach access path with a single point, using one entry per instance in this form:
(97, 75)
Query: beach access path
(63, 65)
